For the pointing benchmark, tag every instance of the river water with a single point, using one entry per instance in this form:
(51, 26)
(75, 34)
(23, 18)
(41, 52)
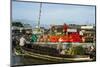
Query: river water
(27, 60)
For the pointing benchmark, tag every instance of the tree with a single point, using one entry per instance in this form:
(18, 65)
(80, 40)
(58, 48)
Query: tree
(18, 24)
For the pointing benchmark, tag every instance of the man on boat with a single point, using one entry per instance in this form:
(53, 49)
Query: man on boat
(22, 42)
(14, 42)
(65, 27)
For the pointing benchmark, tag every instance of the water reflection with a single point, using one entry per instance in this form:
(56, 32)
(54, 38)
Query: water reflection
(27, 60)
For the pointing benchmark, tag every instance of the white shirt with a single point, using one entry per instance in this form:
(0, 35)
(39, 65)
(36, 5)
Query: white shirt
(22, 41)
(81, 33)
(62, 52)
(63, 46)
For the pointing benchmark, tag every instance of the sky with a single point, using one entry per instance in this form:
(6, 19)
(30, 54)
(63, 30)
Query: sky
(53, 13)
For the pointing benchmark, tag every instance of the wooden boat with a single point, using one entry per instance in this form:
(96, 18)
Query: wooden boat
(40, 51)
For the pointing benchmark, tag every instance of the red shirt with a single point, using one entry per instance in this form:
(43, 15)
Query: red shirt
(65, 27)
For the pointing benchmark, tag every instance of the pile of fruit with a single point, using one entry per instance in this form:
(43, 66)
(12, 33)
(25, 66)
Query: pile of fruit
(73, 37)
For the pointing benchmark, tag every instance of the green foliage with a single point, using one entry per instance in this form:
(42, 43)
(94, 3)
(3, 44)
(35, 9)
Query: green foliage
(77, 50)
(18, 49)
(18, 24)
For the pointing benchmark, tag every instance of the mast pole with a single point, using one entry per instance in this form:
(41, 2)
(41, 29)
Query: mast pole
(39, 16)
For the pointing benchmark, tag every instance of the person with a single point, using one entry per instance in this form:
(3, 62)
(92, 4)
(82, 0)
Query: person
(52, 30)
(92, 52)
(14, 42)
(62, 52)
(34, 38)
(22, 42)
(65, 27)
(28, 42)
(59, 47)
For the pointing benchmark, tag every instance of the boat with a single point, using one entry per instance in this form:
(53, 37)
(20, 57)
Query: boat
(45, 51)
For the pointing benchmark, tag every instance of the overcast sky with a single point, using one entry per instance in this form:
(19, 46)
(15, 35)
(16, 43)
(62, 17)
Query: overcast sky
(53, 13)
